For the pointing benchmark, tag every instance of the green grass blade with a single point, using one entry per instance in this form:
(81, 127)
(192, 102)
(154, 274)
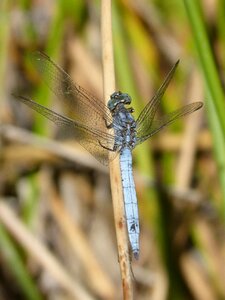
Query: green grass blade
(16, 265)
(215, 103)
(206, 58)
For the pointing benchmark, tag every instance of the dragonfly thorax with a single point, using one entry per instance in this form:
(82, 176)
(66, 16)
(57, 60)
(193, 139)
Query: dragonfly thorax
(123, 123)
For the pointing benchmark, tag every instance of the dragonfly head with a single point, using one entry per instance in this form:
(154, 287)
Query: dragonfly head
(118, 98)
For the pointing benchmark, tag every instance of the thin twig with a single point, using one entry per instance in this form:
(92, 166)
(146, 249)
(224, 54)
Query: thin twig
(115, 177)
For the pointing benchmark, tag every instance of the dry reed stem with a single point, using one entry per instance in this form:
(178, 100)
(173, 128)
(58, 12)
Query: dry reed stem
(189, 143)
(97, 278)
(114, 167)
(85, 66)
(196, 280)
(40, 253)
(62, 150)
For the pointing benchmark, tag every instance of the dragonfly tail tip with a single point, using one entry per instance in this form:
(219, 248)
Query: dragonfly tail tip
(136, 254)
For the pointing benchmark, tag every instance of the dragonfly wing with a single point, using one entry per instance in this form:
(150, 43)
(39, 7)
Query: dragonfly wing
(148, 113)
(158, 124)
(99, 143)
(81, 105)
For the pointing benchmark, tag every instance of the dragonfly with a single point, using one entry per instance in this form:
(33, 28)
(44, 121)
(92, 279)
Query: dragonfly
(109, 130)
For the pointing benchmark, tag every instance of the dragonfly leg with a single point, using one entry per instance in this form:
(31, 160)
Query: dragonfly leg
(109, 126)
(105, 147)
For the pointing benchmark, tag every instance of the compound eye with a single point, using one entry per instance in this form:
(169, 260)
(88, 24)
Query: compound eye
(118, 94)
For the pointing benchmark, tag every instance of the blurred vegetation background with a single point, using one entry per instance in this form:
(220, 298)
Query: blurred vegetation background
(57, 238)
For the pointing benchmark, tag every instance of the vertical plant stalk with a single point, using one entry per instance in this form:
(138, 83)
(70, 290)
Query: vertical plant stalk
(4, 46)
(201, 40)
(215, 96)
(114, 167)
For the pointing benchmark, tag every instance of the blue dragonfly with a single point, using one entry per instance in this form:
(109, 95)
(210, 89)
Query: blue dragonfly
(106, 131)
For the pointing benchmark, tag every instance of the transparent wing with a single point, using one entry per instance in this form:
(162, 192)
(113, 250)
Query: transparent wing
(99, 143)
(81, 105)
(159, 123)
(146, 117)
